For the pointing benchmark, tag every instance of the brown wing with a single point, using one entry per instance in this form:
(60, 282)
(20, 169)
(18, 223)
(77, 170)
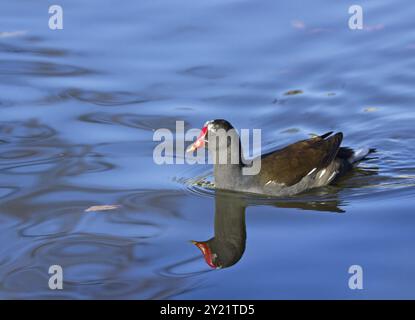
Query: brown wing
(290, 164)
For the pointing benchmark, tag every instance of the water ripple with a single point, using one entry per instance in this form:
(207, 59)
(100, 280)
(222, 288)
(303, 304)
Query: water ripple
(40, 69)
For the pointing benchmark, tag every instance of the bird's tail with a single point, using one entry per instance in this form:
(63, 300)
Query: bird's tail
(360, 154)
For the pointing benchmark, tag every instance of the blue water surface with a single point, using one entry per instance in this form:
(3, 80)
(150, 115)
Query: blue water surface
(79, 106)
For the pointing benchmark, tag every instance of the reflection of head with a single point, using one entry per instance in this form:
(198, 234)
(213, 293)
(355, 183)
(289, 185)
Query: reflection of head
(221, 254)
(207, 253)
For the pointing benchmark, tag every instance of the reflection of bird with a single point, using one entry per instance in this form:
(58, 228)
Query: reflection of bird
(296, 168)
(228, 244)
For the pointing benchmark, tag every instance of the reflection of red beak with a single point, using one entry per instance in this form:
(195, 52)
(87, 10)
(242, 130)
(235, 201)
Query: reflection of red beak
(207, 253)
(200, 141)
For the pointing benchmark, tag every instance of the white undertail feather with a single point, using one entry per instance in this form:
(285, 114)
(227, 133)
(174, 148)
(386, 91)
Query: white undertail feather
(359, 154)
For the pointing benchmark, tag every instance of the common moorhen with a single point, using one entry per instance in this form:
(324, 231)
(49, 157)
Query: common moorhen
(296, 168)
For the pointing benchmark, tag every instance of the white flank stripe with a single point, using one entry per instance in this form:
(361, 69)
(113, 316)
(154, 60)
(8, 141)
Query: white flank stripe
(332, 175)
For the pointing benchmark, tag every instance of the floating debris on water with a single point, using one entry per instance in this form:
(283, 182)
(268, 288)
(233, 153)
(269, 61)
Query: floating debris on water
(371, 109)
(293, 92)
(103, 207)
(291, 130)
(204, 184)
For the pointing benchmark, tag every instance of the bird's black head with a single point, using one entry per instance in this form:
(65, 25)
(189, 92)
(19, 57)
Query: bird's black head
(209, 129)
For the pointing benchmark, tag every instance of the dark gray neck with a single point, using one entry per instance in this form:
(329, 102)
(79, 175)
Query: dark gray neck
(229, 174)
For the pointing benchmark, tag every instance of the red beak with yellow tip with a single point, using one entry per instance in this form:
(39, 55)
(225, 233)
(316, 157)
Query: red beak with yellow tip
(200, 141)
(207, 253)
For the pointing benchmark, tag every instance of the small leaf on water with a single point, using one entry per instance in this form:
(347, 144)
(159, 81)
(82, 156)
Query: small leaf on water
(370, 109)
(103, 207)
(298, 24)
(293, 92)
(291, 130)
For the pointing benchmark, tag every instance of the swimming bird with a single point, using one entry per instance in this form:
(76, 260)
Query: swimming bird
(298, 167)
